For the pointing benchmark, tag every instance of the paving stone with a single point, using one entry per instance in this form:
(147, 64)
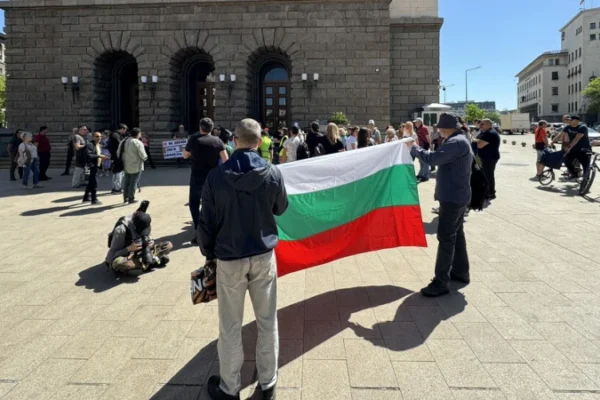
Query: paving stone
(369, 364)
(325, 379)
(80, 392)
(323, 341)
(176, 392)
(137, 378)
(192, 362)
(165, 340)
(591, 370)
(421, 380)
(404, 342)
(518, 381)
(569, 342)
(28, 357)
(376, 394)
(433, 323)
(477, 394)
(85, 343)
(465, 373)
(487, 343)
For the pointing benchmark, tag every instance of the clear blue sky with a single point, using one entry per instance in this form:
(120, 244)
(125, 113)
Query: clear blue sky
(502, 36)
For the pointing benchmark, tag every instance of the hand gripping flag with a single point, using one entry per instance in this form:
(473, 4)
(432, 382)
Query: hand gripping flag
(348, 203)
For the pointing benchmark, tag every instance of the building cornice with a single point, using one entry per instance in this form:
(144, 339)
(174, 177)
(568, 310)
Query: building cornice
(7, 4)
(549, 54)
(577, 16)
(434, 22)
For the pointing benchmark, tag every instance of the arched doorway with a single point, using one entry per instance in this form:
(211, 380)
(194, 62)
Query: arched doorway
(271, 72)
(116, 90)
(199, 91)
(193, 88)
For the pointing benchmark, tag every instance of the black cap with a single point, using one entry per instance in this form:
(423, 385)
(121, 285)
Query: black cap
(575, 117)
(141, 222)
(448, 121)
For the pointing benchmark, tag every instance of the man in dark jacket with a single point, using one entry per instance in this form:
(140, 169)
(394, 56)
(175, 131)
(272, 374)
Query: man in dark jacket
(488, 150)
(94, 158)
(313, 137)
(114, 140)
(237, 230)
(454, 159)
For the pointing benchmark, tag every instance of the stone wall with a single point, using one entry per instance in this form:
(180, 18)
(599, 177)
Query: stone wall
(347, 42)
(415, 65)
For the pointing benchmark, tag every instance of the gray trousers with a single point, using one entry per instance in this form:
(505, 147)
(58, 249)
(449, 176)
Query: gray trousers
(257, 275)
(78, 177)
(452, 248)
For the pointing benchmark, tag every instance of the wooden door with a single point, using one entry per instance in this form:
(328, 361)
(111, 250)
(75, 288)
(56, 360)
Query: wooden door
(275, 105)
(205, 100)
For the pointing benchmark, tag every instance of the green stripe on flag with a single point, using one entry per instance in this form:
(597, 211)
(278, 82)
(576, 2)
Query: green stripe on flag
(311, 213)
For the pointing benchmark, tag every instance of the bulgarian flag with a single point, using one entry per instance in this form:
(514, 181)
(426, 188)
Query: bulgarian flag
(346, 204)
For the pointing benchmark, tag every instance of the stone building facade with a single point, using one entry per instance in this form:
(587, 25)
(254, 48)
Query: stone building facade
(279, 61)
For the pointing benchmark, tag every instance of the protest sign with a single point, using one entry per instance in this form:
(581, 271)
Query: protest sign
(173, 149)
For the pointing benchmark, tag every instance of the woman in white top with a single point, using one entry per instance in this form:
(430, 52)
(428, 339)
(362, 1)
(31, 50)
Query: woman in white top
(351, 142)
(390, 135)
(409, 131)
(29, 160)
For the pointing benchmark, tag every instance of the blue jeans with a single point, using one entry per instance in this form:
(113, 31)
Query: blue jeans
(424, 171)
(35, 167)
(129, 185)
(117, 181)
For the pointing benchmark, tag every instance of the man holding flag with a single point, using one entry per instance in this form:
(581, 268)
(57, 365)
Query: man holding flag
(237, 230)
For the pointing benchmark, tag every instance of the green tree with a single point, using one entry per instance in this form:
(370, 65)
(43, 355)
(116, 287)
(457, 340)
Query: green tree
(592, 93)
(494, 116)
(473, 112)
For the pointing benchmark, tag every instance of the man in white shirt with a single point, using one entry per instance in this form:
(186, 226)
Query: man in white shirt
(291, 145)
(351, 142)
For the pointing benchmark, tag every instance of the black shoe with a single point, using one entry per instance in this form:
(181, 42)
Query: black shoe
(269, 394)
(85, 200)
(194, 241)
(96, 203)
(466, 280)
(133, 201)
(435, 289)
(116, 192)
(65, 174)
(216, 393)
(491, 197)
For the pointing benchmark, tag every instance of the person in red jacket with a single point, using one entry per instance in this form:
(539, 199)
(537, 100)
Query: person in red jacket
(424, 143)
(43, 147)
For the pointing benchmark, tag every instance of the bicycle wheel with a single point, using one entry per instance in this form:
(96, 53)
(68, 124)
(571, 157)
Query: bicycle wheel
(588, 180)
(547, 177)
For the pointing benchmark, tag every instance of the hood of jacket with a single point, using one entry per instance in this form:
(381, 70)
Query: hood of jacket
(246, 170)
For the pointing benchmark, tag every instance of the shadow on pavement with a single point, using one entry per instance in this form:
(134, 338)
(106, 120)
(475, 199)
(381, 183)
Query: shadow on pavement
(431, 227)
(179, 240)
(190, 379)
(99, 278)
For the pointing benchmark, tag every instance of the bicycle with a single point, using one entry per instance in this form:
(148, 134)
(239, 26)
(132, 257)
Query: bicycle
(589, 175)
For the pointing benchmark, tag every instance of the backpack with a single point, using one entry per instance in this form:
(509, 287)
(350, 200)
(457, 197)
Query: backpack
(128, 238)
(319, 151)
(479, 188)
(117, 164)
(302, 153)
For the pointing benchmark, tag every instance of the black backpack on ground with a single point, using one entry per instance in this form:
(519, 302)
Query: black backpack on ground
(479, 188)
(302, 153)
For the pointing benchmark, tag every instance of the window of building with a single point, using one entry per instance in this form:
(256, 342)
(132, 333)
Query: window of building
(576, 107)
(555, 75)
(593, 37)
(563, 35)
(557, 61)
(540, 93)
(569, 89)
(592, 25)
(555, 91)
(579, 68)
(551, 61)
(554, 108)
(580, 86)
(569, 107)
(580, 52)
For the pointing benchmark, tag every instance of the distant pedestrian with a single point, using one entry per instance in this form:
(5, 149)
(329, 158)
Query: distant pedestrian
(118, 173)
(237, 233)
(146, 143)
(409, 131)
(488, 150)
(424, 143)
(70, 153)
(290, 147)
(205, 151)
(79, 144)
(363, 140)
(29, 160)
(104, 146)
(541, 144)
(435, 141)
(94, 158)
(390, 135)
(180, 134)
(313, 138)
(331, 141)
(578, 147)
(13, 151)
(43, 147)
(375, 133)
(225, 137)
(134, 157)
(266, 146)
(454, 159)
(351, 140)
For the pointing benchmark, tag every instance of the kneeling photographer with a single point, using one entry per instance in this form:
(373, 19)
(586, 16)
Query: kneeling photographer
(130, 245)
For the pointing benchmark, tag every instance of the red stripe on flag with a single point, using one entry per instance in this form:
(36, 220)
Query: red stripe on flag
(380, 229)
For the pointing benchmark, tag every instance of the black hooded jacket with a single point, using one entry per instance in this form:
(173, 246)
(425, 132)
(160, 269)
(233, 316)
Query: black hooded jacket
(240, 200)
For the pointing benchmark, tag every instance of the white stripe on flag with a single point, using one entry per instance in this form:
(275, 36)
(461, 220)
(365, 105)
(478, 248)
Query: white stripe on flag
(326, 172)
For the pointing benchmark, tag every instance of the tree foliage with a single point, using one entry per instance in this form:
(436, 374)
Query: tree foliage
(473, 112)
(592, 93)
(339, 118)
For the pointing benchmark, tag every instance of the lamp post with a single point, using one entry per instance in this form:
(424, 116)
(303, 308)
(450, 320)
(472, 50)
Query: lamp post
(444, 87)
(467, 83)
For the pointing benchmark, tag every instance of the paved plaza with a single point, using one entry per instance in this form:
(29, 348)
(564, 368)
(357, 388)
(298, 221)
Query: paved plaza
(527, 327)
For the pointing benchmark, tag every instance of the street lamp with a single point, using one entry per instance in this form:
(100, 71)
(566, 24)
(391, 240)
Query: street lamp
(444, 87)
(467, 83)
